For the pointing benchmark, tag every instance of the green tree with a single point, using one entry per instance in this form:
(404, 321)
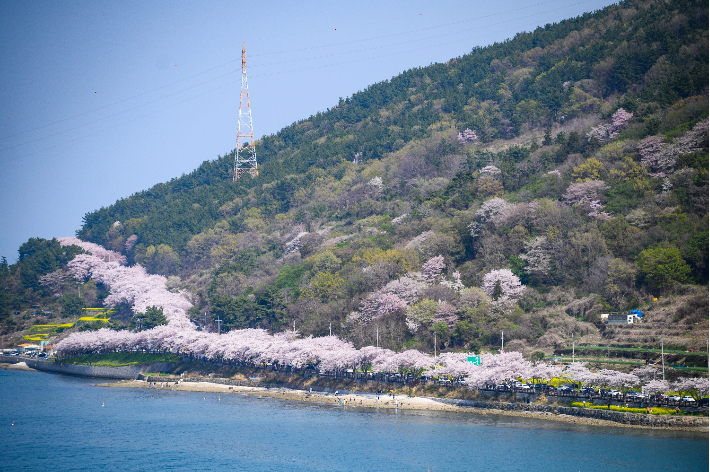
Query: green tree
(72, 305)
(423, 312)
(323, 287)
(159, 259)
(239, 312)
(38, 257)
(661, 266)
(497, 291)
(152, 317)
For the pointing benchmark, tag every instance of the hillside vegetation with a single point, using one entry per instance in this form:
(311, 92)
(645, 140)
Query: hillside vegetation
(523, 189)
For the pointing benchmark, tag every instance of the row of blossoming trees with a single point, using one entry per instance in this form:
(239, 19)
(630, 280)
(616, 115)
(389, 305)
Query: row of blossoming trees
(134, 286)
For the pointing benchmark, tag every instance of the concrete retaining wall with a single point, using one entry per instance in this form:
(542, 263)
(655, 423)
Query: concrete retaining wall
(125, 372)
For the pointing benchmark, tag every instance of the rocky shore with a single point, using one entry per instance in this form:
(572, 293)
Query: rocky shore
(586, 416)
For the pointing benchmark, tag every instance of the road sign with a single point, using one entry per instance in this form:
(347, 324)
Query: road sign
(475, 360)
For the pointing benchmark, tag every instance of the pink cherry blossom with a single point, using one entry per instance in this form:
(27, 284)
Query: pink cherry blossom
(95, 249)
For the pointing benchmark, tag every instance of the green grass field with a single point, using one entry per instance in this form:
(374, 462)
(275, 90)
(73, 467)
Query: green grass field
(118, 359)
(633, 349)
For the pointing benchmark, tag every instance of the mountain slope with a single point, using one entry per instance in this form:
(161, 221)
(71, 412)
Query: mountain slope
(523, 188)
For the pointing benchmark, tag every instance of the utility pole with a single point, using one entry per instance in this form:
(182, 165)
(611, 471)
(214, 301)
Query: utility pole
(219, 325)
(204, 326)
(377, 330)
(330, 328)
(663, 362)
(294, 325)
(572, 347)
(245, 161)
(501, 342)
(434, 343)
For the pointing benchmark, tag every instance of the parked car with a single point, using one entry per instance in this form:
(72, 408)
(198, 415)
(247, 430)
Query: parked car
(635, 396)
(587, 391)
(564, 388)
(674, 398)
(688, 399)
(661, 397)
(524, 387)
(615, 393)
(703, 403)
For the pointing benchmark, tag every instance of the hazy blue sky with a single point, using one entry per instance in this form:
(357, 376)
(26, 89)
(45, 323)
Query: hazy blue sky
(100, 100)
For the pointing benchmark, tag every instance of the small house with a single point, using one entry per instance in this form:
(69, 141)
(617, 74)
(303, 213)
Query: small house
(621, 318)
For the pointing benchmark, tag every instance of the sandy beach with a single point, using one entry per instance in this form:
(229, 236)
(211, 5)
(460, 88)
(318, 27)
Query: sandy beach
(370, 400)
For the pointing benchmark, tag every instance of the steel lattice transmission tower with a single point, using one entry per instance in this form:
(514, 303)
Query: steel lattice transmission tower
(245, 157)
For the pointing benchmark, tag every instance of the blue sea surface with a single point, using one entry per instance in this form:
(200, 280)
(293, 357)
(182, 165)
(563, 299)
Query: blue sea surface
(67, 423)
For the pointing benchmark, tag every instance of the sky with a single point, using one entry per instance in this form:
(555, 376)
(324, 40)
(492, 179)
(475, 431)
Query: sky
(100, 100)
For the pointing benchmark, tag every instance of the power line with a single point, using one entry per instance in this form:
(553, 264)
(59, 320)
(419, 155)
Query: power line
(379, 46)
(255, 76)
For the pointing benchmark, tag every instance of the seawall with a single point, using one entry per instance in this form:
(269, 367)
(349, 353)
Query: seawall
(100, 372)
(636, 419)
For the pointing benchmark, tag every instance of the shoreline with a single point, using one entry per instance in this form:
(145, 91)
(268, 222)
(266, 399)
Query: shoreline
(403, 402)
(17, 366)
(369, 400)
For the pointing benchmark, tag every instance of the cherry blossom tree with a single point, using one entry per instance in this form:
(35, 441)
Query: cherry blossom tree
(432, 268)
(376, 305)
(508, 282)
(446, 313)
(538, 256)
(545, 372)
(494, 209)
(53, 281)
(131, 242)
(578, 373)
(580, 193)
(697, 387)
(418, 241)
(455, 283)
(95, 249)
(490, 171)
(660, 158)
(467, 136)
(654, 387)
(609, 131)
(596, 212)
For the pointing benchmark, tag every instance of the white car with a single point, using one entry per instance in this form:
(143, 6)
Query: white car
(688, 399)
(674, 398)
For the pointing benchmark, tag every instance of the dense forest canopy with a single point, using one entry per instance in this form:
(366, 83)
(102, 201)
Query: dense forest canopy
(525, 187)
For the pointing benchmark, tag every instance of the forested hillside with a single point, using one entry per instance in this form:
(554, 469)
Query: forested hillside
(524, 188)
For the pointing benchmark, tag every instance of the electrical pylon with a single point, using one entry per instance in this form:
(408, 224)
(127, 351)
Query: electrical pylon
(245, 157)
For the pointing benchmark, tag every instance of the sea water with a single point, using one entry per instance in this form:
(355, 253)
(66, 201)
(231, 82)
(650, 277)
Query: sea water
(68, 423)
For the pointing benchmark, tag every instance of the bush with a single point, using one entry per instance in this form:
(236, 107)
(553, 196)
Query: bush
(661, 266)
